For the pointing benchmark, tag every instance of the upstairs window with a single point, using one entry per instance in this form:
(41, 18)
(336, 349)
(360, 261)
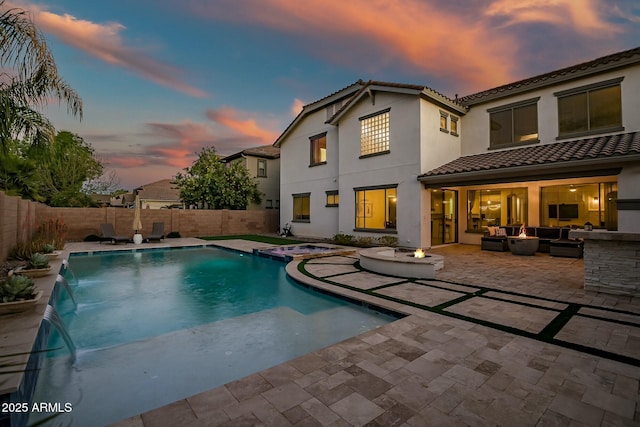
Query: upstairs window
(443, 121)
(590, 109)
(454, 126)
(514, 124)
(374, 134)
(318, 153)
(262, 168)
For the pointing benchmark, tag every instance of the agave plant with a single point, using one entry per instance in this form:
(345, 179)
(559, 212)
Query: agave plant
(48, 248)
(17, 287)
(38, 260)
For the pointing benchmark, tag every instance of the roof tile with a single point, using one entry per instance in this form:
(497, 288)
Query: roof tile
(617, 145)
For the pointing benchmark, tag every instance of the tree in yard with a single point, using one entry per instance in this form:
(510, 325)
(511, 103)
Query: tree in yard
(63, 167)
(211, 184)
(29, 80)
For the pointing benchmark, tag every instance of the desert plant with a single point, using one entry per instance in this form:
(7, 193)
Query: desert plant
(387, 241)
(23, 251)
(364, 241)
(17, 287)
(343, 239)
(52, 232)
(38, 260)
(48, 248)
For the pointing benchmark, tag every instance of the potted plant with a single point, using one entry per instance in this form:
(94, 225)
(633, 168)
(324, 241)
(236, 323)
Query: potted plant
(49, 250)
(17, 293)
(37, 266)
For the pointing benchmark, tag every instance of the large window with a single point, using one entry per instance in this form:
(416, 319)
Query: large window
(514, 123)
(374, 134)
(318, 150)
(575, 204)
(302, 207)
(590, 109)
(376, 208)
(492, 207)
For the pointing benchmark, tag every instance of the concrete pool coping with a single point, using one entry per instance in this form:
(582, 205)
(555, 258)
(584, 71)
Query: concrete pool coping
(423, 367)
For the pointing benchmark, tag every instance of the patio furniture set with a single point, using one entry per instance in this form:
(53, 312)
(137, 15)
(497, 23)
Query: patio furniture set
(552, 240)
(109, 234)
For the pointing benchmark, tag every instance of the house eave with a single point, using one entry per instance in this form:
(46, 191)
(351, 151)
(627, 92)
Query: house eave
(563, 170)
(518, 88)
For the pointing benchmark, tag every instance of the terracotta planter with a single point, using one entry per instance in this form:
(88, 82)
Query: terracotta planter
(20, 306)
(33, 272)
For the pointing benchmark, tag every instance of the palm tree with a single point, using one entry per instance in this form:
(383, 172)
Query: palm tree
(33, 79)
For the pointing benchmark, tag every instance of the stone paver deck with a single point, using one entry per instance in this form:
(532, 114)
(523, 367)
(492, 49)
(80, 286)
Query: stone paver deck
(495, 339)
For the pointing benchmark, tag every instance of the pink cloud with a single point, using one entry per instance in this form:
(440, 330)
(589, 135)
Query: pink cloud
(241, 124)
(104, 41)
(583, 16)
(296, 107)
(369, 35)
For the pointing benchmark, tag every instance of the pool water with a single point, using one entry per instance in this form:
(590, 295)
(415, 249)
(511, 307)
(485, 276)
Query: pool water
(153, 327)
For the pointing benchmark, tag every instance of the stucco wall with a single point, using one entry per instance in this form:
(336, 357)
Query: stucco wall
(476, 122)
(296, 176)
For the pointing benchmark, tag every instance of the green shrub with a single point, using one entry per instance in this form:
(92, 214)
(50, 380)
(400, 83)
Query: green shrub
(17, 287)
(387, 241)
(343, 239)
(364, 241)
(173, 235)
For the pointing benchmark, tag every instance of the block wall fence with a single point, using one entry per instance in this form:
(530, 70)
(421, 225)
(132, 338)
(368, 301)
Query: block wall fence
(20, 220)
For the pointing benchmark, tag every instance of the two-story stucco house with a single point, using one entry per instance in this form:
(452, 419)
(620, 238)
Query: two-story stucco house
(263, 163)
(377, 158)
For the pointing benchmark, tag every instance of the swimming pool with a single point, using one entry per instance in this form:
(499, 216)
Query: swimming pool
(153, 327)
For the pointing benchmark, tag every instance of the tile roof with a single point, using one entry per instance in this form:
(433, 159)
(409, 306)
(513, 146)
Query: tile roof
(604, 63)
(378, 85)
(164, 189)
(263, 151)
(617, 147)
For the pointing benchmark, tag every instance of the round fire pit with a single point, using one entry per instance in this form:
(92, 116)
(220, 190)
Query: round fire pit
(523, 245)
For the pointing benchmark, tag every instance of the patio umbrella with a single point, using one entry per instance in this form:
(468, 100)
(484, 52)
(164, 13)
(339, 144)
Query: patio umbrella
(137, 224)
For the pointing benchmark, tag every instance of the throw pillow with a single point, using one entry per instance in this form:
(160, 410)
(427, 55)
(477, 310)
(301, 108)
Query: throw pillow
(492, 231)
(501, 232)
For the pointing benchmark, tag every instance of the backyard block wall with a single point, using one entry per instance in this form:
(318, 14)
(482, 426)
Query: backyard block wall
(20, 219)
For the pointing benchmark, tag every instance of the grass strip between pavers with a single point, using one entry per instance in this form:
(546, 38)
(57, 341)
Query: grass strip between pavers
(546, 335)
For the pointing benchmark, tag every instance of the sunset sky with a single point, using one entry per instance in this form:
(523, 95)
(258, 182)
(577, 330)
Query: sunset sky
(160, 79)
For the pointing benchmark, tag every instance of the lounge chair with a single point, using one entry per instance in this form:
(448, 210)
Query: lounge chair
(157, 233)
(109, 235)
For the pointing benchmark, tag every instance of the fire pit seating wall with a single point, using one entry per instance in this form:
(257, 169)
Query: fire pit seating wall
(552, 240)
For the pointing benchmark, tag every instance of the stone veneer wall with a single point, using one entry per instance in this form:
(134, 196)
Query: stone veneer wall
(611, 262)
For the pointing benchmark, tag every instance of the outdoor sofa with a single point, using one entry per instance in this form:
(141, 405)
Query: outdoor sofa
(566, 247)
(552, 240)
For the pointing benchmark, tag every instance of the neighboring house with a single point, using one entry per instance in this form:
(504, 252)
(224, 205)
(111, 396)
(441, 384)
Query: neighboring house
(375, 158)
(161, 194)
(263, 163)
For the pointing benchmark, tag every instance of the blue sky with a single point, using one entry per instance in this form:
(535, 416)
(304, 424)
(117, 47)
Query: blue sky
(161, 79)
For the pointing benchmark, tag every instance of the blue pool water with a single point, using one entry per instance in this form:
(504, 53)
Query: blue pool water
(153, 327)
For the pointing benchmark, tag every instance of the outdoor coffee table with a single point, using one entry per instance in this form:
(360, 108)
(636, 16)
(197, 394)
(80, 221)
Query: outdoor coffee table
(523, 245)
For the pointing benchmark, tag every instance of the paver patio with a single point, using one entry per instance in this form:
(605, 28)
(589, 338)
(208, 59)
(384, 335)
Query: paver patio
(526, 346)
